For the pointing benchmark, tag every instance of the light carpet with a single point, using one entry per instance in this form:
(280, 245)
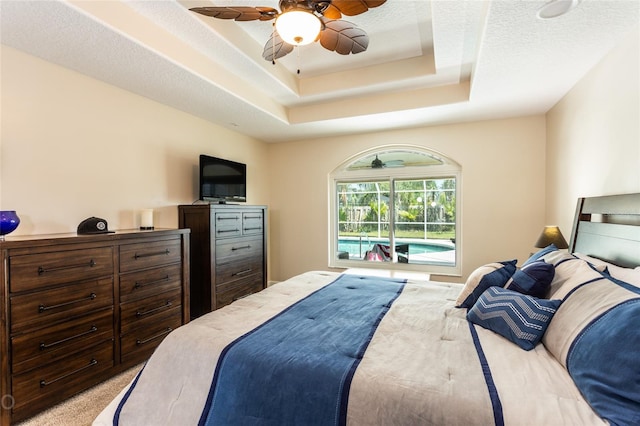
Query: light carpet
(83, 408)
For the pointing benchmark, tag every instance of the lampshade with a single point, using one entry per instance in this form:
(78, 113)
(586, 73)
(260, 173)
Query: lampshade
(298, 27)
(551, 235)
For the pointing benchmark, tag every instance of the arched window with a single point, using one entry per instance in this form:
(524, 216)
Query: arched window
(396, 207)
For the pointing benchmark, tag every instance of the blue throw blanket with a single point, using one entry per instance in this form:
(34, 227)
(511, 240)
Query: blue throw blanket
(296, 368)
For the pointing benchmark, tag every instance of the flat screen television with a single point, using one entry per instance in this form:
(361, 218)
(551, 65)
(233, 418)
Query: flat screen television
(222, 180)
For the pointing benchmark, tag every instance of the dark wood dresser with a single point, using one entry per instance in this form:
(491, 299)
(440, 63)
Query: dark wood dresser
(77, 310)
(228, 253)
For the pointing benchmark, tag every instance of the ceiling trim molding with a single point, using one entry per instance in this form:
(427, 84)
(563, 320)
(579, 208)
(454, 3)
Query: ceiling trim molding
(381, 103)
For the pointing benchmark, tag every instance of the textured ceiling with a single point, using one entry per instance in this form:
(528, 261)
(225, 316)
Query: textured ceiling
(428, 62)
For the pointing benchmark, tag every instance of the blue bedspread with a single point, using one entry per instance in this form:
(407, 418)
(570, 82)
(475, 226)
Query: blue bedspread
(296, 368)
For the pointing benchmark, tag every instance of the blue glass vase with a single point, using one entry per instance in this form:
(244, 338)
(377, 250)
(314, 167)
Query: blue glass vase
(9, 221)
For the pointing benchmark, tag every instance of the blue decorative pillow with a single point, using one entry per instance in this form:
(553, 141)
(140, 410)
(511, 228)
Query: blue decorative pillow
(520, 318)
(492, 274)
(533, 279)
(548, 249)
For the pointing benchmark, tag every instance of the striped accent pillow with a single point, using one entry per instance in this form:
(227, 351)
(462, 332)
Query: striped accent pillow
(520, 318)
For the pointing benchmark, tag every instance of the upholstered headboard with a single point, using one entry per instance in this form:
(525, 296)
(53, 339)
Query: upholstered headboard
(608, 228)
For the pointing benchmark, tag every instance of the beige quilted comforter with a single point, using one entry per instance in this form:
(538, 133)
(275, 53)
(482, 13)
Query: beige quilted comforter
(422, 367)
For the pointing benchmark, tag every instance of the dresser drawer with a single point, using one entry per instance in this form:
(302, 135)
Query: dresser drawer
(238, 289)
(44, 308)
(228, 224)
(252, 223)
(238, 248)
(35, 271)
(138, 345)
(237, 269)
(143, 312)
(149, 254)
(137, 285)
(34, 349)
(65, 378)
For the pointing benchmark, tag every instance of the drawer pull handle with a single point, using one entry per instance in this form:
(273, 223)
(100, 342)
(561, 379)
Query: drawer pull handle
(150, 311)
(157, 336)
(228, 218)
(42, 270)
(44, 346)
(140, 284)
(253, 217)
(246, 271)
(44, 383)
(42, 308)
(253, 229)
(155, 253)
(241, 247)
(222, 231)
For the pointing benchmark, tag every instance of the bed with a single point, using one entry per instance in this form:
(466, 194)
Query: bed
(553, 341)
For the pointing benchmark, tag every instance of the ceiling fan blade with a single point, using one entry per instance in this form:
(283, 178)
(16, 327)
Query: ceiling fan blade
(355, 7)
(332, 12)
(276, 48)
(343, 37)
(238, 13)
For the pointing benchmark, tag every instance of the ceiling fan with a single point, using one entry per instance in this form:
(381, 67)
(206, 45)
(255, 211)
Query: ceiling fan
(302, 22)
(378, 164)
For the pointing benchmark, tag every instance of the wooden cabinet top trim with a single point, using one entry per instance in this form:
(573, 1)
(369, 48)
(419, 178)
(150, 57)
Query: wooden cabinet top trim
(214, 206)
(32, 241)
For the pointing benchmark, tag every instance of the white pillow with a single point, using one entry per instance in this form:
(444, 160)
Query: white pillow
(628, 275)
(570, 273)
(579, 309)
(556, 257)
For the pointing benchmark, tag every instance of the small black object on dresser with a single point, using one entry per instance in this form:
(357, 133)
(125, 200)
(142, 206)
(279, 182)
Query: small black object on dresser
(228, 255)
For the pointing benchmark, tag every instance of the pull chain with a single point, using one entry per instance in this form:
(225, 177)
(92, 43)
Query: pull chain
(273, 44)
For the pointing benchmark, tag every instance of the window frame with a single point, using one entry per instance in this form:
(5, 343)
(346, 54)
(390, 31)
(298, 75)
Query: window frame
(449, 169)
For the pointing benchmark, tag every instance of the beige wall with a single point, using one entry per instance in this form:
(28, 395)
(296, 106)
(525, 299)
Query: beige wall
(73, 147)
(593, 135)
(502, 189)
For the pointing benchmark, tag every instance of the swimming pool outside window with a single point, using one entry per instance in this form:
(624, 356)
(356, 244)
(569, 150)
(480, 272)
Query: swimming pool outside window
(400, 215)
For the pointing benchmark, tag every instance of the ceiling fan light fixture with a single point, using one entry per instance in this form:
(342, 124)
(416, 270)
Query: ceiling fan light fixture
(298, 27)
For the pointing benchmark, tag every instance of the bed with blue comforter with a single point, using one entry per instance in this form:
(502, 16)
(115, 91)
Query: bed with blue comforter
(326, 348)
(552, 340)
